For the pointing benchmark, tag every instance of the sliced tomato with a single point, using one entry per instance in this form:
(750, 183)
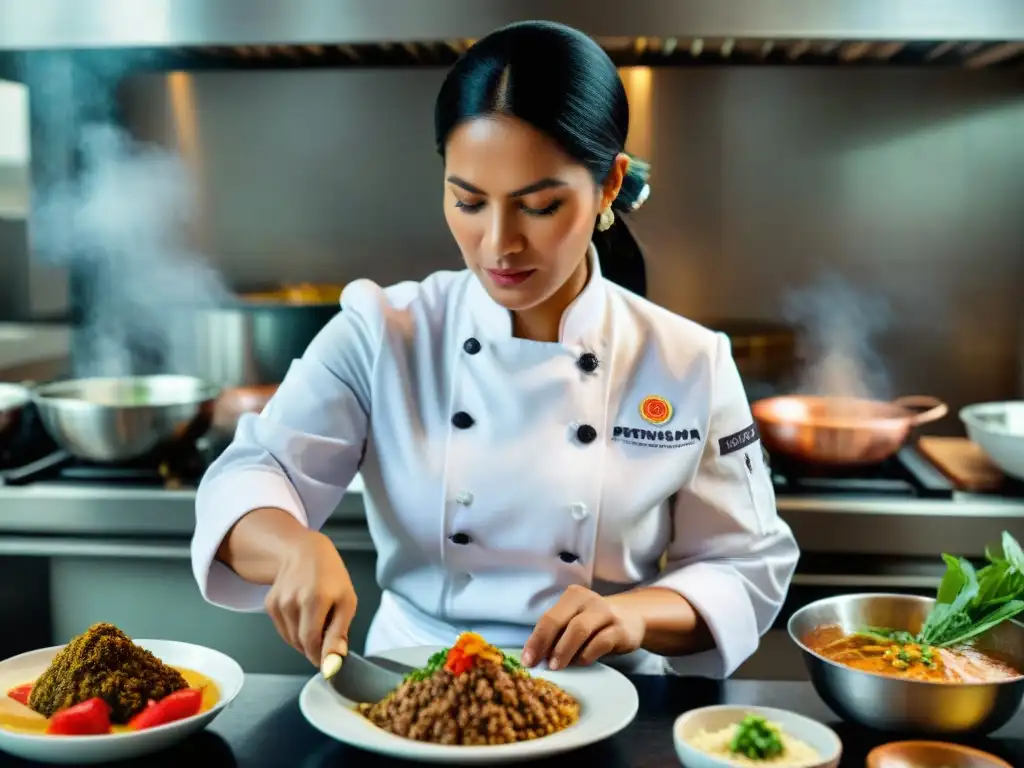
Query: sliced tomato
(90, 718)
(177, 706)
(20, 693)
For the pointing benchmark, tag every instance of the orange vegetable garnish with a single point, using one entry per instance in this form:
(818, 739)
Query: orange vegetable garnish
(469, 647)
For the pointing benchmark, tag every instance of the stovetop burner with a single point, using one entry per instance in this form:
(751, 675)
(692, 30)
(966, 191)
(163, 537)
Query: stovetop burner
(908, 474)
(174, 467)
(29, 443)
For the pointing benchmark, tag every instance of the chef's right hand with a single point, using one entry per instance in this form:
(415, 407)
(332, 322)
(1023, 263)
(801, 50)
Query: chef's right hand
(312, 601)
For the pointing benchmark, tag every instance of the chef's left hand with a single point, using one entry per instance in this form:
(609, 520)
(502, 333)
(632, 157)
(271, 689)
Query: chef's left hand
(582, 627)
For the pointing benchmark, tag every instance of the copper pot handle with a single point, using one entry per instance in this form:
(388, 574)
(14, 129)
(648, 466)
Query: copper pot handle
(936, 408)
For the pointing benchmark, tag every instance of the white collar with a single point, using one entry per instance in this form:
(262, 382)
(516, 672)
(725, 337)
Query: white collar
(581, 321)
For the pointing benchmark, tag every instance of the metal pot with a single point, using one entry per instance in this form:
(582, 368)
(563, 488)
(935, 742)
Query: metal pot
(895, 704)
(111, 420)
(253, 340)
(841, 430)
(764, 351)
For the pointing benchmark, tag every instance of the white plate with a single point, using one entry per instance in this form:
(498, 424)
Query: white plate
(817, 736)
(85, 750)
(608, 703)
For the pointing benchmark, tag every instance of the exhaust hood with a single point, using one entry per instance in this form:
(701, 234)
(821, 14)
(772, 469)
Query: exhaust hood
(979, 33)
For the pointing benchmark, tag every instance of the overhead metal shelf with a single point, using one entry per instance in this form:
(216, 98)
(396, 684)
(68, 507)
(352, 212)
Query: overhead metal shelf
(624, 51)
(169, 24)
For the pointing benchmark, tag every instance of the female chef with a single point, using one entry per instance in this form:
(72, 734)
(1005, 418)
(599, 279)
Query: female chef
(532, 437)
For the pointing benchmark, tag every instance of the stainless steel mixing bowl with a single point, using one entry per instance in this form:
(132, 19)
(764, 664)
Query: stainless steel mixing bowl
(119, 419)
(896, 705)
(13, 399)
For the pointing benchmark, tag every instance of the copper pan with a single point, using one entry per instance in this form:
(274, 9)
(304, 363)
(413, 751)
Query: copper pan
(236, 401)
(841, 430)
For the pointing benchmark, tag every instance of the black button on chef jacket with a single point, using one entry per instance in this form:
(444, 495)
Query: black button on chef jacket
(586, 433)
(462, 420)
(587, 362)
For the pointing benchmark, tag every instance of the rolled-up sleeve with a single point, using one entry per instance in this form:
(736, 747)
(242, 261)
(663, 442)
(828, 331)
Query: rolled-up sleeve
(731, 556)
(301, 453)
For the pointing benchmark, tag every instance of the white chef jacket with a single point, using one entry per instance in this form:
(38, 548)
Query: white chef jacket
(498, 471)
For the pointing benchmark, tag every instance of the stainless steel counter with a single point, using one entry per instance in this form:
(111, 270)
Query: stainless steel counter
(157, 521)
(103, 552)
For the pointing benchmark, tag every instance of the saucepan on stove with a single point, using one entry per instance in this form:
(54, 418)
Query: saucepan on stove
(111, 420)
(247, 344)
(252, 339)
(841, 431)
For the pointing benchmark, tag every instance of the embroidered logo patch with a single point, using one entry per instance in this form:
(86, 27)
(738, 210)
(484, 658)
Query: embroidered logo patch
(655, 438)
(656, 410)
(732, 443)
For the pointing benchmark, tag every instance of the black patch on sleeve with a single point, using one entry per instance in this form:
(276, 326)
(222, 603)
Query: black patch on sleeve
(737, 440)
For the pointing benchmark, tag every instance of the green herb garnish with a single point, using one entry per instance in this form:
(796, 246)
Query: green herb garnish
(756, 739)
(434, 664)
(969, 602)
(511, 664)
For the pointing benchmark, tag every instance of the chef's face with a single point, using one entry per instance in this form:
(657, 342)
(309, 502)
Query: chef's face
(521, 210)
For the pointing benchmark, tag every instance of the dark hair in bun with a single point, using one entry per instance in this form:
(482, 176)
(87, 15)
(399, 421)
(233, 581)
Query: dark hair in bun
(560, 81)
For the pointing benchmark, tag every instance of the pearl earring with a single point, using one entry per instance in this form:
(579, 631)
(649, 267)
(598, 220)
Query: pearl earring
(605, 220)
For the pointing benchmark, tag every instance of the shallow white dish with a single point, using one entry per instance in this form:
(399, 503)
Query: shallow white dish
(998, 428)
(86, 750)
(819, 737)
(608, 703)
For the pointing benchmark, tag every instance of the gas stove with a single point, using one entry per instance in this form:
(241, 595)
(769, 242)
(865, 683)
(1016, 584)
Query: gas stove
(31, 457)
(908, 474)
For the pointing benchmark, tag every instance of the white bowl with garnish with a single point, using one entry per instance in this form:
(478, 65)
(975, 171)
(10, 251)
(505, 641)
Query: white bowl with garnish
(706, 737)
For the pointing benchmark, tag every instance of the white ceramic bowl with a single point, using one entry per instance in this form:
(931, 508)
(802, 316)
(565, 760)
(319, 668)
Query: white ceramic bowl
(819, 737)
(86, 750)
(999, 429)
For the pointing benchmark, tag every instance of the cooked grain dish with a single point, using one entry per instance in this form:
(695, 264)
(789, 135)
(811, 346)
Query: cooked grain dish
(103, 662)
(728, 744)
(473, 694)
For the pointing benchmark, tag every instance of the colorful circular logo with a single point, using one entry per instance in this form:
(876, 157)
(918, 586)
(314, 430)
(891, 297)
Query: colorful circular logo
(655, 410)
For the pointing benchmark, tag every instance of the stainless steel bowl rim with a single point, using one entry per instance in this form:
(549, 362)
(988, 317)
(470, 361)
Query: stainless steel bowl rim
(206, 392)
(863, 595)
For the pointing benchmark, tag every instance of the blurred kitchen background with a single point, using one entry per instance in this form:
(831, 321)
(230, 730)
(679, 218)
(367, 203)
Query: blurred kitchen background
(840, 178)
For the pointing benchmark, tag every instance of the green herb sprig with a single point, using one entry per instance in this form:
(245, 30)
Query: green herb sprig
(756, 739)
(434, 664)
(969, 602)
(511, 664)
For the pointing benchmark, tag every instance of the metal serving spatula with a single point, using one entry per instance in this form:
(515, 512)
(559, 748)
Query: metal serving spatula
(363, 680)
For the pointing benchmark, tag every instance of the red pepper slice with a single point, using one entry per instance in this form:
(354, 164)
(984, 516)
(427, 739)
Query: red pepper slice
(458, 662)
(177, 706)
(20, 693)
(89, 718)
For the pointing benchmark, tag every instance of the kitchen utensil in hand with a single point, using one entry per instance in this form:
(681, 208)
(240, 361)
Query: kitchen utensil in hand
(363, 680)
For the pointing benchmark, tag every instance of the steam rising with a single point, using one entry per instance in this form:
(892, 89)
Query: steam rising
(119, 223)
(838, 325)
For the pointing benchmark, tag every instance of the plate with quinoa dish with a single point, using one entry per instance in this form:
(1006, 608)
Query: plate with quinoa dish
(473, 703)
(105, 697)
